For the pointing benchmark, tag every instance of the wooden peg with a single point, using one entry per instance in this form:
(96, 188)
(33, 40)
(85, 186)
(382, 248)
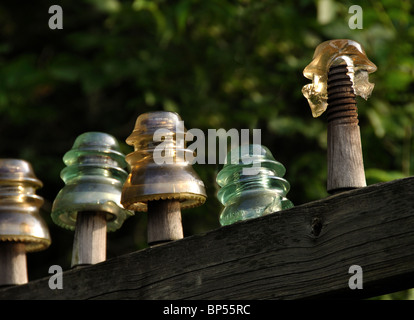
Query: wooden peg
(13, 264)
(339, 71)
(345, 161)
(164, 221)
(89, 244)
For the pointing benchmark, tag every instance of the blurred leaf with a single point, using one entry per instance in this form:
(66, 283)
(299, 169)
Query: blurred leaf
(377, 175)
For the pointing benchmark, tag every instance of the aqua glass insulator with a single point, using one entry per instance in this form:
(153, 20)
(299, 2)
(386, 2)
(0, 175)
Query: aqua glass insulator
(252, 184)
(19, 206)
(95, 173)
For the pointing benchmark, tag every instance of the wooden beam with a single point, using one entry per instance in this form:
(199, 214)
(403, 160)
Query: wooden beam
(301, 253)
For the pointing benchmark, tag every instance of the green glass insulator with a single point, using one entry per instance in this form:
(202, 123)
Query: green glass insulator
(251, 184)
(94, 176)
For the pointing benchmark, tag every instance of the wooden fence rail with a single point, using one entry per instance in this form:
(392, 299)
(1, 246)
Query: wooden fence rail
(301, 253)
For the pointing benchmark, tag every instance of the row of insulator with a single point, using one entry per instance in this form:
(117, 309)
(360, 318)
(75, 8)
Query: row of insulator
(99, 178)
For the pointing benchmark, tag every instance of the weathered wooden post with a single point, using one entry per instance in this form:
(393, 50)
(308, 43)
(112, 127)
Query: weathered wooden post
(161, 181)
(90, 201)
(252, 184)
(21, 227)
(339, 71)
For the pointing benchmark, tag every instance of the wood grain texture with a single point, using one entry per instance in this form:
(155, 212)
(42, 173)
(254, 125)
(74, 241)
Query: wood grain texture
(301, 253)
(164, 221)
(13, 264)
(89, 244)
(345, 160)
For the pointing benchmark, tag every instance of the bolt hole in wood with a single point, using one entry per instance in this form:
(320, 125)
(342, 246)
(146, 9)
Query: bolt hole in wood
(316, 226)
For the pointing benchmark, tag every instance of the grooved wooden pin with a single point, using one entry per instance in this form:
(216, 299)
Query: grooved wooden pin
(345, 159)
(339, 71)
